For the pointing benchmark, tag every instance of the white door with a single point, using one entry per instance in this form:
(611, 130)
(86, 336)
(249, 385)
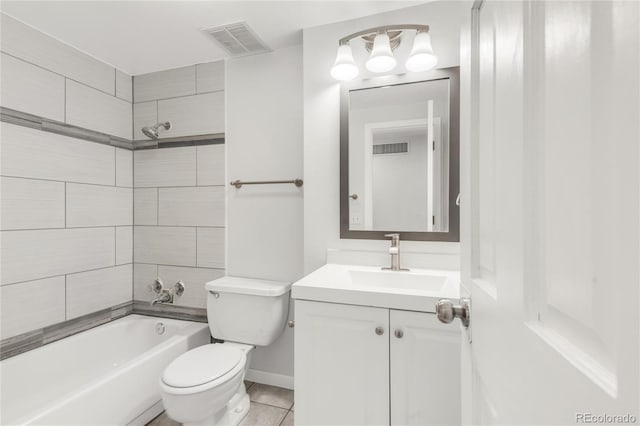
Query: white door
(425, 370)
(341, 364)
(551, 249)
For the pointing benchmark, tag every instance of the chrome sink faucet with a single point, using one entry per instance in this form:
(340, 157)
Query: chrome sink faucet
(394, 251)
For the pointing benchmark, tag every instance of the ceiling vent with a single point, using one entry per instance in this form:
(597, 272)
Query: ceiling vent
(237, 39)
(390, 148)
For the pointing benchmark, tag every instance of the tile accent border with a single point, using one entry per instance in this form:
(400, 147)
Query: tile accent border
(169, 311)
(25, 342)
(34, 339)
(211, 139)
(19, 118)
(24, 119)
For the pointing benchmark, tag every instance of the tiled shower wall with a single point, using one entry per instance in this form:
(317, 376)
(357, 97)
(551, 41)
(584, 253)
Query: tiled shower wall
(179, 220)
(67, 207)
(67, 204)
(192, 98)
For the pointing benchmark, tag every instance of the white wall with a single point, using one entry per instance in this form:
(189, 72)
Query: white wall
(264, 142)
(321, 125)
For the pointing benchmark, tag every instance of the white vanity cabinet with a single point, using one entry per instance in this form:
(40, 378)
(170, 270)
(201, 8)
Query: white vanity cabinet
(425, 369)
(360, 365)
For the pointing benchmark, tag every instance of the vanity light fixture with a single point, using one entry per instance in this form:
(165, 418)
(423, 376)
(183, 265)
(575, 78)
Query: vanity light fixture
(345, 67)
(381, 42)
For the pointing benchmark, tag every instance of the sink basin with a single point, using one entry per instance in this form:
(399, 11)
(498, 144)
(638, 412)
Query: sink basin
(398, 280)
(416, 290)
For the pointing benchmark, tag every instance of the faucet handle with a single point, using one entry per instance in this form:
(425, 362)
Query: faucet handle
(157, 286)
(178, 288)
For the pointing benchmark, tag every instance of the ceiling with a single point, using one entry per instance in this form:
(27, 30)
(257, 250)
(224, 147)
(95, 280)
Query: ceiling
(145, 36)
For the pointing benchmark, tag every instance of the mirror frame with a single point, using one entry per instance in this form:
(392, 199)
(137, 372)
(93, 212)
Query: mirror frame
(453, 74)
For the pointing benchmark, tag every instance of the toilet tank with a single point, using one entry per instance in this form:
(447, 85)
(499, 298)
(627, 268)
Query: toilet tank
(247, 310)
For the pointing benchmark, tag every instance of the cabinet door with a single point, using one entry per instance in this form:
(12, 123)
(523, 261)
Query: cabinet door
(341, 364)
(425, 370)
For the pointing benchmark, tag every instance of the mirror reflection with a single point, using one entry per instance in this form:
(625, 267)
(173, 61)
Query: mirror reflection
(398, 164)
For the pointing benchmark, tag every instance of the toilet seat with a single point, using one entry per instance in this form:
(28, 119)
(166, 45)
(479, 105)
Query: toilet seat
(204, 367)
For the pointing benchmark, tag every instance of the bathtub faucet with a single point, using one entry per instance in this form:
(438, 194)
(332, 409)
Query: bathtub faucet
(164, 295)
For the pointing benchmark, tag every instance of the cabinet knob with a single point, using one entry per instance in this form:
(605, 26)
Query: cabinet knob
(399, 333)
(379, 331)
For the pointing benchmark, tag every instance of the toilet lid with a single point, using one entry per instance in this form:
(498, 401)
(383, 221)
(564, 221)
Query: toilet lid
(201, 365)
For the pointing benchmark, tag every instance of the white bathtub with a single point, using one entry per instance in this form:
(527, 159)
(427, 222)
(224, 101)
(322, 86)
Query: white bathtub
(104, 376)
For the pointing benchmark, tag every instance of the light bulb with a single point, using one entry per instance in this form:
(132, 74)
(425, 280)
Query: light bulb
(381, 59)
(344, 67)
(421, 57)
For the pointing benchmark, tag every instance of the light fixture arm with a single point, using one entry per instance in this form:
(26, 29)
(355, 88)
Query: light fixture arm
(383, 29)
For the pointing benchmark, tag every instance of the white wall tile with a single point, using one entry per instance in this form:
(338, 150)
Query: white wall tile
(165, 245)
(36, 154)
(124, 244)
(38, 48)
(30, 255)
(193, 115)
(92, 291)
(165, 84)
(145, 206)
(211, 248)
(95, 205)
(28, 88)
(124, 86)
(95, 110)
(194, 279)
(211, 161)
(144, 114)
(195, 206)
(165, 167)
(31, 204)
(31, 305)
(124, 168)
(144, 275)
(210, 77)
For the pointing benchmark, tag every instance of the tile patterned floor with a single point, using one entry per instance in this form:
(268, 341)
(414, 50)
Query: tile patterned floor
(270, 406)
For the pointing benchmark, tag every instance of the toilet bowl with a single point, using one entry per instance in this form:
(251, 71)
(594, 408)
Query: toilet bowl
(205, 386)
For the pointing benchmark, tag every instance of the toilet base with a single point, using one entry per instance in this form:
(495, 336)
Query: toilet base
(233, 413)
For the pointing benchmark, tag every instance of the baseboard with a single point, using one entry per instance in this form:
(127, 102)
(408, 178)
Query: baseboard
(272, 379)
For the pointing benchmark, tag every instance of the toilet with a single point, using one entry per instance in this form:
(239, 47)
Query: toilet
(205, 386)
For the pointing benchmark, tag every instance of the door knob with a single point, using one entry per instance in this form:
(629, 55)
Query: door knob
(447, 311)
(353, 196)
(399, 333)
(379, 331)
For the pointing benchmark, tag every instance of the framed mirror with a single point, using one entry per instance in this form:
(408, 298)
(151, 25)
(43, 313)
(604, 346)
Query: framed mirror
(399, 157)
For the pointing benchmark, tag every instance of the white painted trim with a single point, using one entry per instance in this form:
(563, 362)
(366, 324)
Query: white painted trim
(272, 379)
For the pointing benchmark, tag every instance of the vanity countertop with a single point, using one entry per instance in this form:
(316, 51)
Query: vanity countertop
(414, 290)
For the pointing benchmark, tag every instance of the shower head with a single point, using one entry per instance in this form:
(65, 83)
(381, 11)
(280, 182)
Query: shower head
(152, 131)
